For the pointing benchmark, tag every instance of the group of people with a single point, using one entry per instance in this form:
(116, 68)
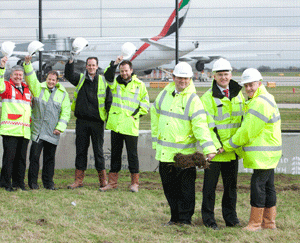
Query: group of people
(226, 126)
(41, 112)
(31, 110)
(117, 101)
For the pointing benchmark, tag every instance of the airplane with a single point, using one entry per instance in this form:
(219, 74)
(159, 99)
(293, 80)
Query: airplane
(152, 52)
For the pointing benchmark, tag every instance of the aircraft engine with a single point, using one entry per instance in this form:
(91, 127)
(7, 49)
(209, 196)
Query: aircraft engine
(199, 66)
(148, 71)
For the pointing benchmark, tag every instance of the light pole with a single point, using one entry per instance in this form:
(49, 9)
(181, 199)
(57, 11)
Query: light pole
(176, 33)
(41, 40)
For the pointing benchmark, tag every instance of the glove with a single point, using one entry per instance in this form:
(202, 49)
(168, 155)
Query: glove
(191, 160)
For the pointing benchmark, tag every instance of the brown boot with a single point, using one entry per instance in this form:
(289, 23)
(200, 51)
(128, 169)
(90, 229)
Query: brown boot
(269, 218)
(102, 178)
(112, 182)
(134, 182)
(79, 175)
(256, 218)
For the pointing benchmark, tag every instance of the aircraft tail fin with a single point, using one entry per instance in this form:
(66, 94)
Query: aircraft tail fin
(170, 26)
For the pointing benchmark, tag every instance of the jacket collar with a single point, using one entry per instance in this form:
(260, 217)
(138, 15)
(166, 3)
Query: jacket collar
(261, 90)
(22, 83)
(188, 90)
(57, 86)
(121, 81)
(234, 89)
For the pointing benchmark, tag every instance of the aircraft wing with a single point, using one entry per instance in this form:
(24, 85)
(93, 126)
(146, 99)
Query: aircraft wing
(47, 56)
(199, 58)
(158, 45)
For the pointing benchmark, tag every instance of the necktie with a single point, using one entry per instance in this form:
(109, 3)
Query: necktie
(226, 92)
(20, 89)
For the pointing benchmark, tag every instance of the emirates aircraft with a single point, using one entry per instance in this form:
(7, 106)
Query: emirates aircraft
(149, 54)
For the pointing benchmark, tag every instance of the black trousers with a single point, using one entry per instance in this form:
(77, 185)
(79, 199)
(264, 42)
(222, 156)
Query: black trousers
(49, 150)
(117, 143)
(263, 192)
(179, 189)
(84, 131)
(229, 171)
(14, 161)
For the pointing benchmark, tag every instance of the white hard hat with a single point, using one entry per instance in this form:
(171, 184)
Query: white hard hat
(221, 65)
(34, 47)
(183, 69)
(127, 50)
(79, 44)
(251, 75)
(7, 48)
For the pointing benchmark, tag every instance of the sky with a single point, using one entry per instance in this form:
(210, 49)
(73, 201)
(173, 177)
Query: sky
(268, 31)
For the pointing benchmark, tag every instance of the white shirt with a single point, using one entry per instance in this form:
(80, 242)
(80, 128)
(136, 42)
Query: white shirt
(222, 90)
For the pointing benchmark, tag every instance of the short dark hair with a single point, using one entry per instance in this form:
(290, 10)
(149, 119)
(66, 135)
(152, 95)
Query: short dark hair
(53, 72)
(126, 62)
(89, 58)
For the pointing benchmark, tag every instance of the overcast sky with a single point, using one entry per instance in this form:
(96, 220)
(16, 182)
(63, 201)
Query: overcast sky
(269, 28)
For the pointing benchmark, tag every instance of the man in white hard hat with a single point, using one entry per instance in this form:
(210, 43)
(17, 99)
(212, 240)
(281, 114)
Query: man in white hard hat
(91, 103)
(130, 102)
(260, 139)
(15, 127)
(178, 121)
(224, 104)
(51, 111)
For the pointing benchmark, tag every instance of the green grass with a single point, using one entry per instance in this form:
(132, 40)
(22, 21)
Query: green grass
(122, 216)
(290, 118)
(272, 74)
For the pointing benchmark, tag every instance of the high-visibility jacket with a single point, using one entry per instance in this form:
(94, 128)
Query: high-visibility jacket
(224, 116)
(128, 104)
(178, 121)
(260, 132)
(101, 94)
(16, 109)
(50, 111)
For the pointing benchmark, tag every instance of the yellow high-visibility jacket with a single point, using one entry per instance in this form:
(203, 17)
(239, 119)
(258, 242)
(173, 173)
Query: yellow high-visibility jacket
(16, 109)
(178, 121)
(224, 116)
(260, 132)
(128, 104)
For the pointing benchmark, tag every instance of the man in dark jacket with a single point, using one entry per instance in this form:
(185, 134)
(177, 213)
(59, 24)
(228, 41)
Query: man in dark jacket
(91, 103)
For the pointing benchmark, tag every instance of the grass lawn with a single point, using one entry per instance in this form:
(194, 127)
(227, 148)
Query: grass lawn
(87, 215)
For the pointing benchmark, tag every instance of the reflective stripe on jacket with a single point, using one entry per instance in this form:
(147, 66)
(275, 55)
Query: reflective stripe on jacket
(16, 109)
(178, 122)
(224, 116)
(101, 94)
(128, 104)
(50, 111)
(260, 132)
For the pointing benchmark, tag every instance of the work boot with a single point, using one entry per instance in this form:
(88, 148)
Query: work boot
(112, 182)
(79, 175)
(134, 187)
(102, 178)
(269, 218)
(256, 218)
